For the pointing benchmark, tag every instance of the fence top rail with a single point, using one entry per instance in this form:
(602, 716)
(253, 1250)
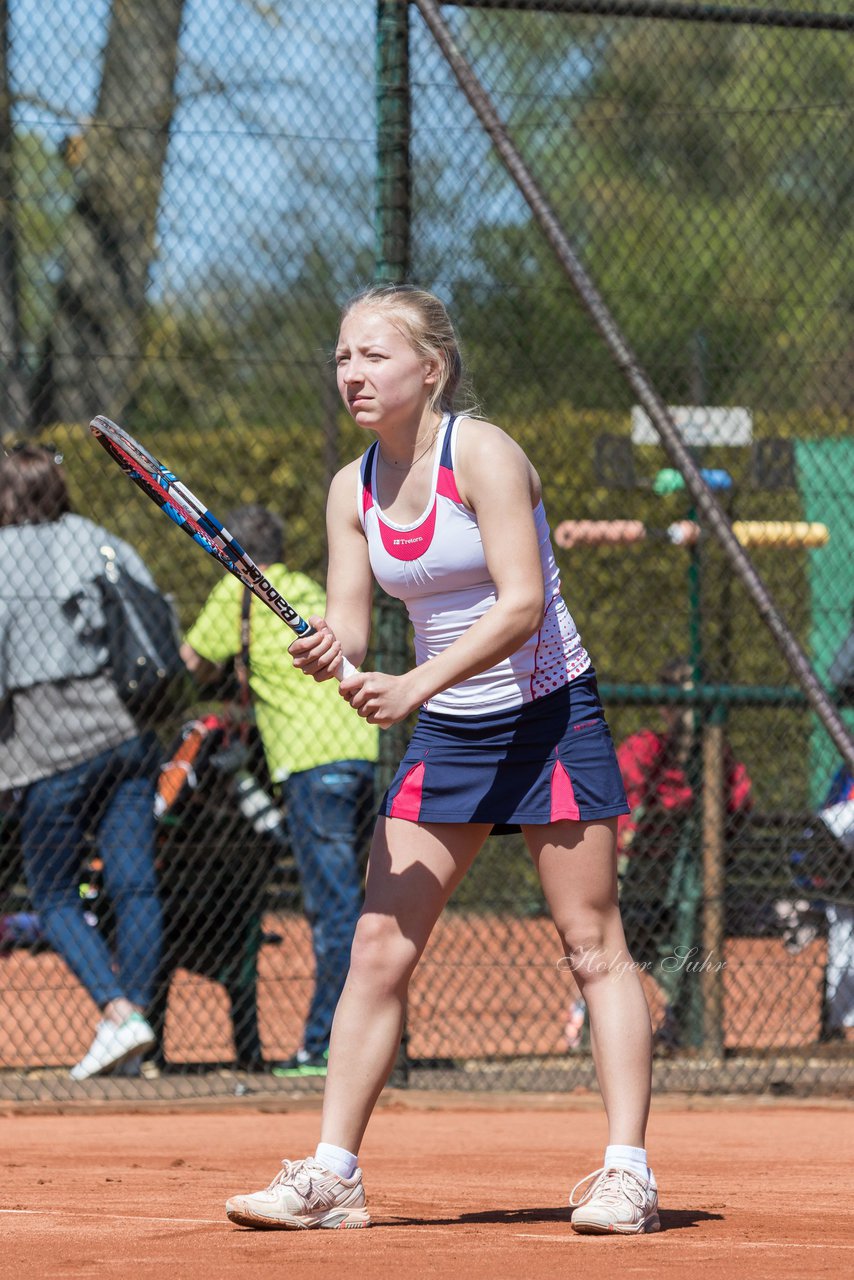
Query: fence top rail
(676, 11)
(706, 695)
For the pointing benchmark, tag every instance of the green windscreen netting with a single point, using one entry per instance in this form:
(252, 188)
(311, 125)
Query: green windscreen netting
(826, 481)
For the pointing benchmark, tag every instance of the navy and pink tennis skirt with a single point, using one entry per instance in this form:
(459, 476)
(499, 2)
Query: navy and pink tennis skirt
(546, 761)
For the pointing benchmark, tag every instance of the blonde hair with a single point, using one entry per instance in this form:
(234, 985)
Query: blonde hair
(424, 321)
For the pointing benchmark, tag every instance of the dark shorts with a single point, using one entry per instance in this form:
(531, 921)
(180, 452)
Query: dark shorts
(549, 760)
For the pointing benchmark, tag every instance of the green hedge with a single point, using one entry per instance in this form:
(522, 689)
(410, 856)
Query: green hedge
(632, 604)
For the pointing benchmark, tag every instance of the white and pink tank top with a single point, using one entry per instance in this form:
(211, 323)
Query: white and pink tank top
(437, 567)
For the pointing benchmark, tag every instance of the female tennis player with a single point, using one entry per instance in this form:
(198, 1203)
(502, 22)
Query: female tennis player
(445, 511)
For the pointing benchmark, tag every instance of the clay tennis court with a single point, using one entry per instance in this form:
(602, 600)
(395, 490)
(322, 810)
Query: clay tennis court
(472, 1186)
(119, 1177)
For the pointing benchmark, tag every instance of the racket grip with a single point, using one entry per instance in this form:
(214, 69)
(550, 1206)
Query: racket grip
(345, 669)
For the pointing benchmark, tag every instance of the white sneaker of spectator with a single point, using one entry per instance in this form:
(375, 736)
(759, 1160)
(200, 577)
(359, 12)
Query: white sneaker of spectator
(114, 1043)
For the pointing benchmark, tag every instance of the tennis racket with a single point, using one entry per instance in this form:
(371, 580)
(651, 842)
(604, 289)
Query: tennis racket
(182, 507)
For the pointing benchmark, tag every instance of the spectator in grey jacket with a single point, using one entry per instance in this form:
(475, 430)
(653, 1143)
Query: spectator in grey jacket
(71, 752)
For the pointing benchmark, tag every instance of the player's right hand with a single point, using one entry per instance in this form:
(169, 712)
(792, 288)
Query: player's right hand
(318, 654)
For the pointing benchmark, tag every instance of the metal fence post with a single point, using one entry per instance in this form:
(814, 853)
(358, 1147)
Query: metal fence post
(393, 242)
(713, 924)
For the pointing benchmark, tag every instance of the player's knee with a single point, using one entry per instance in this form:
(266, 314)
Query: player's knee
(380, 956)
(592, 948)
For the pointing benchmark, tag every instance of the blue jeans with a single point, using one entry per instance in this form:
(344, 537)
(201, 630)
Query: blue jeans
(328, 808)
(112, 798)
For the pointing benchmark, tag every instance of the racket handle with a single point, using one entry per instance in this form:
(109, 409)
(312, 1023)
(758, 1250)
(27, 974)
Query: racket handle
(345, 669)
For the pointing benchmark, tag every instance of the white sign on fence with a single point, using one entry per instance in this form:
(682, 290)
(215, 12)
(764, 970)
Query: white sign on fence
(698, 425)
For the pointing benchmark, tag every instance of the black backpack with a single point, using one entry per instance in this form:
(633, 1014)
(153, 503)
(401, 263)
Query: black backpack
(143, 640)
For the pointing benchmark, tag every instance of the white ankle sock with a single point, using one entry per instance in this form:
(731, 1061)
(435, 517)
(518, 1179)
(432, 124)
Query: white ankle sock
(632, 1158)
(336, 1159)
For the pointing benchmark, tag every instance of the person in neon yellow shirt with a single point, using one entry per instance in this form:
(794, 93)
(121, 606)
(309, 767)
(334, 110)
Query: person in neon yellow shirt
(317, 750)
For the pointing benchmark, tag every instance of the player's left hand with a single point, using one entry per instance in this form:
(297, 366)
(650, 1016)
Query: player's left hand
(380, 699)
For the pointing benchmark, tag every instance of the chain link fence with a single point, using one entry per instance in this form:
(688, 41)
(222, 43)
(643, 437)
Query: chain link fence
(627, 206)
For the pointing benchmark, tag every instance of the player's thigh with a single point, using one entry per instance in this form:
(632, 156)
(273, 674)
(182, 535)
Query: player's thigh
(413, 869)
(577, 866)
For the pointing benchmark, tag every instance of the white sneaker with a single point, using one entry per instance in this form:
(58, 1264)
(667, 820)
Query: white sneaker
(618, 1201)
(113, 1044)
(301, 1196)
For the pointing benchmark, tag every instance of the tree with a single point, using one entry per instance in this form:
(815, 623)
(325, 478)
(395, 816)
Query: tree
(13, 393)
(90, 344)
(703, 173)
(95, 341)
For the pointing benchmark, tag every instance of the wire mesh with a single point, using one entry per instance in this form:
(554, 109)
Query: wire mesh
(190, 192)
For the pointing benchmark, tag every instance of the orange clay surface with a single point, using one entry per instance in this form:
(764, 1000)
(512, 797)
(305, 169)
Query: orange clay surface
(459, 1186)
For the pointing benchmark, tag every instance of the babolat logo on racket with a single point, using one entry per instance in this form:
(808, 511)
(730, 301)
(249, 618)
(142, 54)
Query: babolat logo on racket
(265, 585)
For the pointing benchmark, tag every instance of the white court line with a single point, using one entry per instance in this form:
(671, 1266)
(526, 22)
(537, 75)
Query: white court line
(564, 1239)
(118, 1217)
(791, 1244)
(220, 1222)
(517, 1235)
(701, 1244)
(203, 1222)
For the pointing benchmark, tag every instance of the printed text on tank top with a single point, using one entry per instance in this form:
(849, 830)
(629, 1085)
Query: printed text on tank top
(410, 541)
